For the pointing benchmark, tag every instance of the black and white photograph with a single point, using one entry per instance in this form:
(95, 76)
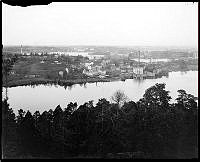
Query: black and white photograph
(100, 80)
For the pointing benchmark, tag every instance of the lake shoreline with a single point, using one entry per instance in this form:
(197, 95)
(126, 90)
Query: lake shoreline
(40, 81)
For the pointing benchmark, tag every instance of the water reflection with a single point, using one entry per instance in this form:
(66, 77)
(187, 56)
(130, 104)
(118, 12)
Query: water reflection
(49, 96)
(138, 81)
(85, 85)
(68, 87)
(81, 84)
(183, 72)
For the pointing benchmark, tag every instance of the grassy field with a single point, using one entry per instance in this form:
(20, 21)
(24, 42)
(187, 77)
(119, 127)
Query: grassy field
(38, 68)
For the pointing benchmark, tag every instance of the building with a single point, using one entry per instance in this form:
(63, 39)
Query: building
(156, 71)
(96, 68)
(113, 67)
(138, 70)
(195, 55)
(31, 76)
(149, 74)
(94, 71)
(88, 72)
(104, 63)
(12, 72)
(67, 70)
(129, 69)
(88, 64)
(95, 57)
(61, 73)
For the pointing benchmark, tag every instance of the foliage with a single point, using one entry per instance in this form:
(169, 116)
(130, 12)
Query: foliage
(119, 97)
(187, 100)
(157, 96)
(150, 126)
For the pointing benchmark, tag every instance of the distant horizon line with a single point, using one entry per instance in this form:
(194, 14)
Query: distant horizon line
(188, 46)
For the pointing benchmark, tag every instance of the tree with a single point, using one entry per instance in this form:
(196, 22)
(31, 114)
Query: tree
(119, 98)
(7, 113)
(187, 100)
(44, 124)
(29, 120)
(71, 107)
(28, 134)
(129, 107)
(20, 116)
(157, 96)
(7, 65)
(182, 97)
(102, 108)
(102, 105)
(36, 116)
(58, 117)
(183, 65)
(155, 106)
(8, 123)
(90, 104)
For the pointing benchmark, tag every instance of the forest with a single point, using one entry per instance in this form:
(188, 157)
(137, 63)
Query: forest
(149, 128)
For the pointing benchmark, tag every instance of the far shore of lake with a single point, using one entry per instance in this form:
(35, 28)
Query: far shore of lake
(64, 82)
(38, 81)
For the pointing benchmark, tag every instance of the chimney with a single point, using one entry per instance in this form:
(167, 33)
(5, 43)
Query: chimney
(21, 49)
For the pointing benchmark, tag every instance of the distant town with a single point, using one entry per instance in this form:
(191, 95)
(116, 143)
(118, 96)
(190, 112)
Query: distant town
(70, 65)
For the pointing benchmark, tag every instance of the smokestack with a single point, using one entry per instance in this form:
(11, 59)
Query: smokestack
(21, 49)
(139, 63)
(139, 58)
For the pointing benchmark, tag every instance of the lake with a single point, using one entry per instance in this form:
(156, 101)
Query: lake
(45, 97)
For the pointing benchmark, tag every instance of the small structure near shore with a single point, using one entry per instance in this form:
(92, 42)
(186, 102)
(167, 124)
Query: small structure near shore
(61, 73)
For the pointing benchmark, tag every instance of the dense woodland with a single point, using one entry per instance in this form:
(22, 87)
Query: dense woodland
(148, 128)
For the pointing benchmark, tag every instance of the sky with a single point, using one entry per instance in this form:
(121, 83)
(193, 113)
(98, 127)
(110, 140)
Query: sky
(102, 23)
